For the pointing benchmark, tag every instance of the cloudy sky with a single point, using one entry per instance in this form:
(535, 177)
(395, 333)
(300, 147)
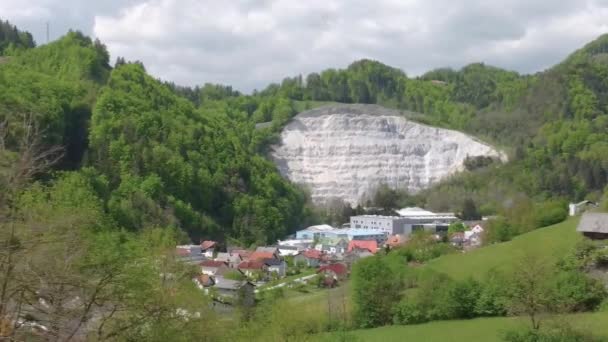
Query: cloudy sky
(249, 43)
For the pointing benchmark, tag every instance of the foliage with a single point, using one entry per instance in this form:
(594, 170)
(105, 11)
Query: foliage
(559, 333)
(375, 289)
(422, 247)
(12, 38)
(456, 227)
(168, 163)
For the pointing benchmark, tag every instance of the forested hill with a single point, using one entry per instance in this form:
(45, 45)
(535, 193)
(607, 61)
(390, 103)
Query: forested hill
(157, 159)
(11, 38)
(554, 123)
(153, 158)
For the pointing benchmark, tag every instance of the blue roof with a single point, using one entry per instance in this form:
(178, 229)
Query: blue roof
(357, 232)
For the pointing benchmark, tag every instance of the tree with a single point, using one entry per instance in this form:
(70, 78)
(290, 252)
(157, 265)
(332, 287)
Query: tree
(469, 210)
(530, 292)
(375, 289)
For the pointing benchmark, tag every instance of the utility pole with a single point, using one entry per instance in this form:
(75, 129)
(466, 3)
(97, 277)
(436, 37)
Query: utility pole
(47, 32)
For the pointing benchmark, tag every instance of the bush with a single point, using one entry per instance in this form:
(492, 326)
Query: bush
(407, 312)
(561, 333)
(498, 230)
(574, 291)
(492, 300)
(550, 213)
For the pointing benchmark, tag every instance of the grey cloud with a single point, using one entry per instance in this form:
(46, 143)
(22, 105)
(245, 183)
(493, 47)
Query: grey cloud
(250, 43)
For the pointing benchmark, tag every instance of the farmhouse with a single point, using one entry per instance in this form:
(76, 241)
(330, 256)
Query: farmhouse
(232, 259)
(594, 225)
(212, 267)
(310, 258)
(336, 271)
(252, 267)
(235, 289)
(208, 247)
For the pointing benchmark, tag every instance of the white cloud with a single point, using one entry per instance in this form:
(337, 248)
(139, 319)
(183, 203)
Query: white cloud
(249, 43)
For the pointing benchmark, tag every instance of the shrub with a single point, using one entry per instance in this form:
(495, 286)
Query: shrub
(550, 213)
(561, 333)
(407, 312)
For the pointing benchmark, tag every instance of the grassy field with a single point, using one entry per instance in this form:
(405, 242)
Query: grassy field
(550, 242)
(480, 329)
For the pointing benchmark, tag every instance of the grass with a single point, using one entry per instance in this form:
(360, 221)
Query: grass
(288, 279)
(480, 329)
(550, 242)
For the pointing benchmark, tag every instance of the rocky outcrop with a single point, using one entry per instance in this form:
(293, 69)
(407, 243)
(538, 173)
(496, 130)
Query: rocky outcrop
(346, 151)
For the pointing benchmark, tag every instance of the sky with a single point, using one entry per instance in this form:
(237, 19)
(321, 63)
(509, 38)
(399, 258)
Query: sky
(251, 43)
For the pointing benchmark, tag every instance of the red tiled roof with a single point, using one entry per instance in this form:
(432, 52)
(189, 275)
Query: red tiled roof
(339, 269)
(208, 244)
(251, 265)
(243, 253)
(371, 246)
(312, 254)
(212, 263)
(261, 255)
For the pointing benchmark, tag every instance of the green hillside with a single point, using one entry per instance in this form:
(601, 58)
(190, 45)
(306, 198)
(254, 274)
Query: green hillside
(551, 242)
(480, 329)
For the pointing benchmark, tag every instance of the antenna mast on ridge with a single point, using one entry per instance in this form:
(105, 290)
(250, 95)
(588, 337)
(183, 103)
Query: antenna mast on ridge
(47, 32)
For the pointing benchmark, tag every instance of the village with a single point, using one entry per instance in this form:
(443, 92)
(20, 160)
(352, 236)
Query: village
(319, 255)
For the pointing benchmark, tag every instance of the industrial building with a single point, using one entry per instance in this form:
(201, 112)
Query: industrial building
(408, 221)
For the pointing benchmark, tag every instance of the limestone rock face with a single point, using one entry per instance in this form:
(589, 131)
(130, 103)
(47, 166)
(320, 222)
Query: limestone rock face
(346, 151)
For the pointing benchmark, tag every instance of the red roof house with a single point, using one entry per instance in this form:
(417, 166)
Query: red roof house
(212, 267)
(207, 244)
(257, 255)
(371, 245)
(337, 271)
(313, 254)
(251, 265)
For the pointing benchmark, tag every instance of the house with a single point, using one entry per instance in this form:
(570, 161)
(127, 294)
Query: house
(243, 291)
(232, 259)
(273, 249)
(204, 281)
(335, 246)
(457, 239)
(594, 225)
(208, 247)
(212, 267)
(309, 257)
(243, 253)
(252, 268)
(371, 246)
(473, 237)
(189, 253)
(293, 247)
(337, 271)
(262, 253)
(577, 208)
(285, 250)
(277, 266)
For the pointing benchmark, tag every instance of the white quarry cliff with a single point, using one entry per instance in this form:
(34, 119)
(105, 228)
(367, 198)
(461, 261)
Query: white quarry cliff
(346, 151)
